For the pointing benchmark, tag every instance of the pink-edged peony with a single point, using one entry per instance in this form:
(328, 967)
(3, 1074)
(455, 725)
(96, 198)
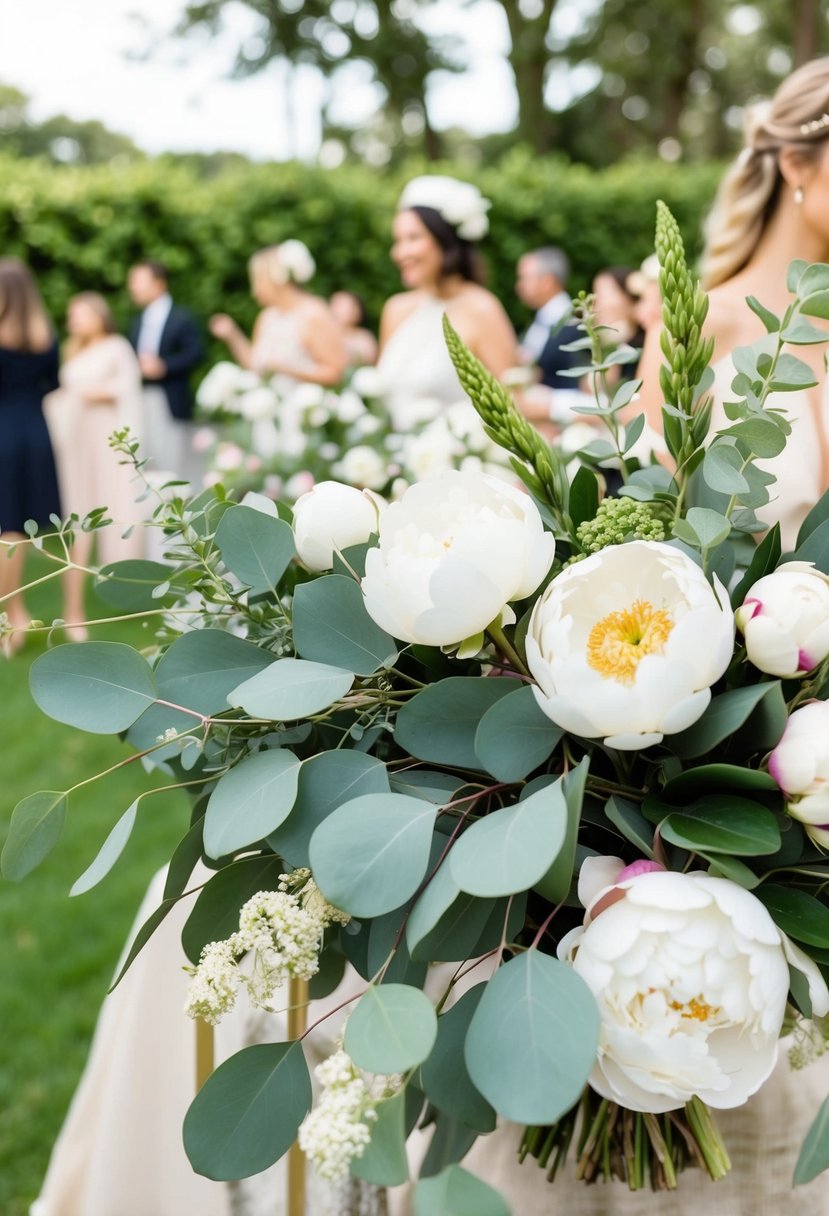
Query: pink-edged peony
(785, 620)
(691, 976)
(800, 766)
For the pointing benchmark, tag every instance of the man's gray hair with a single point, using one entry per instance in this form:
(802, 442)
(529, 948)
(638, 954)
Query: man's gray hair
(551, 260)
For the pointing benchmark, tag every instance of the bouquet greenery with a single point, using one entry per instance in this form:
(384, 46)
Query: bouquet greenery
(500, 755)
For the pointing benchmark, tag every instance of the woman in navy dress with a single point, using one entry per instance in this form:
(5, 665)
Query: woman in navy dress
(28, 482)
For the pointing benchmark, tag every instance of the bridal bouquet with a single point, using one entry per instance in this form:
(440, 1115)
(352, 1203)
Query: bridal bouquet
(547, 773)
(280, 438)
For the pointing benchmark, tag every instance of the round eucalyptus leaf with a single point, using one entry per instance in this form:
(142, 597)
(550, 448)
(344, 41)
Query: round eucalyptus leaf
(533, 1039)
(512, 849)
(814, 1153)
(34, 830)
(100, 687)
(371, 854)
(391, 1029)
(326, 781)
(439, 895)
(514, 736)
(250, 801)
(290, 689)
(331, 625)
(440, 723)
(255, 547)
(456, 1192)
(248, 1112)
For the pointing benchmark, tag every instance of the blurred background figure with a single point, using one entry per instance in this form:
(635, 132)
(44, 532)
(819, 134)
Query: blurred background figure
(644, 284)
(28, 480)
(100, 392)
(540, 284)
(295, 337)
(616, 306)
(434, 234)
(169, 347)
(350, 313)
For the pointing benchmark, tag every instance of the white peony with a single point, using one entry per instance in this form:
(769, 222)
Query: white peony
(330, 517)
(220, 386)
(364, 467)
(800, 766)
(785, 620)
(408, 413)
(626, 644)
(430, 453)
(452, 553)
(257, 403)
(691, 976)
(347, 406)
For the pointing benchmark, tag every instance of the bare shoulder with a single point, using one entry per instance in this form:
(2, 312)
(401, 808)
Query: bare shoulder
(396, 310)
(479, 302)
(730, 322)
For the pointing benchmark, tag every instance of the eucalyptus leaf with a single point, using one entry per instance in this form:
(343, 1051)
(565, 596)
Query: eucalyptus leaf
(512, 849)
(384, 1162)
(255, 547)
(100, 687)
(36, 825)
(331, 625)
(555, 884)
(444, 1075)
(727, 824)
(451, 1141)
(439, 724)
(109, 852)
(326, 781)
(250, 801)
(722, 469)
(792, 374)
(813, 1158)
(391, 1029)
(815, 547)
(514, 736)
(371, 854)
(129, 585)
(797, 913)
(724, 715)
(290, 689)
(532, 1077)
(247, 1114)
(711, 527)
(456, 1192)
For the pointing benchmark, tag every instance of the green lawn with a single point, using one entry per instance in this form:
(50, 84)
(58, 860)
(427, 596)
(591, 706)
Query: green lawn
(57, 954)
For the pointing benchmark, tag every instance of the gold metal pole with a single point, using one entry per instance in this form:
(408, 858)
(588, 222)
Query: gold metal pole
(205, 1052)
(297, 1025)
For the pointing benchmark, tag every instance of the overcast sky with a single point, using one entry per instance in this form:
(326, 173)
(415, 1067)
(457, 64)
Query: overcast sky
(70, 56)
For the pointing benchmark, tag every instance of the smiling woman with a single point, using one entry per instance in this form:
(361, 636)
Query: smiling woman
(437, 222)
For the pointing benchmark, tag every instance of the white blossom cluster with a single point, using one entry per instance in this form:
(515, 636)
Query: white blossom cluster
(281, 930)
(338, 1129)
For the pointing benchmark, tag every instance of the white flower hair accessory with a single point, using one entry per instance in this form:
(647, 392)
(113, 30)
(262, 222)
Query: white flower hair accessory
(460, 203)
(295, 258)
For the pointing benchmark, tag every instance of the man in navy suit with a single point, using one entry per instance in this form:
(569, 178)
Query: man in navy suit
(169, 346)
(540, 284)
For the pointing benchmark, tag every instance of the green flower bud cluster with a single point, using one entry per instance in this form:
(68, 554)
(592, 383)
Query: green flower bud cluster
(684, 309)
(618, 520)
(540, 467)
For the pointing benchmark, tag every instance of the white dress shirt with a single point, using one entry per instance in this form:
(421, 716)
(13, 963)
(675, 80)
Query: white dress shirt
(548, 316)
(153, 319)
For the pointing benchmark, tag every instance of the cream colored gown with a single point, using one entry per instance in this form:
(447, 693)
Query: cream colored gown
(415, 366)
(89, 472)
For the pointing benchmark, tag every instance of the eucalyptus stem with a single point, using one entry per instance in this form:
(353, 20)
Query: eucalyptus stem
(500, 639)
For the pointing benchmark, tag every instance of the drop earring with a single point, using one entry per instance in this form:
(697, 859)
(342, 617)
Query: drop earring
(798, 195)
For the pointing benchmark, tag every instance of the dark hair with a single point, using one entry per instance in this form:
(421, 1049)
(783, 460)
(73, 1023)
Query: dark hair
(157, 269)
(621, 276)
(459, 256)
(24, 322)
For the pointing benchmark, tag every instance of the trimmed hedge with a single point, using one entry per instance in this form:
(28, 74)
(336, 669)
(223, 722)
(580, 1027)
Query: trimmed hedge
(80, 229)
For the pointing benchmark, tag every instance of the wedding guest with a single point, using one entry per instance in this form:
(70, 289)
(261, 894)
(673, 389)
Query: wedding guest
(295, 336)
(28, 481)
(100, 392)
(644, 285)
(540, 283)
(615, 304)
(350, 312)
(438, 222)
(169, 347)
(772, 207)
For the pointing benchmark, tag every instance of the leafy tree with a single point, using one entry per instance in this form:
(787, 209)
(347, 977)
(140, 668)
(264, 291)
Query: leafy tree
(59, 139)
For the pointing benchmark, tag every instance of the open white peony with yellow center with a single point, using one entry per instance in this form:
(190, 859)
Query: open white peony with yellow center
(626, 644)
(691, 976)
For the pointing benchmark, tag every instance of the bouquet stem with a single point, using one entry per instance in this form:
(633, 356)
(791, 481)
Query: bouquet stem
(641, 1149)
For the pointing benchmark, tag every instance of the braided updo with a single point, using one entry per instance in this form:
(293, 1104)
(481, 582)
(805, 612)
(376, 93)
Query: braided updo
(750, 190)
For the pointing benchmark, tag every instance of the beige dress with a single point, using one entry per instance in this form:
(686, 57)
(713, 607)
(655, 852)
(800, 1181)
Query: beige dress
(415, 368)
(89, 472)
